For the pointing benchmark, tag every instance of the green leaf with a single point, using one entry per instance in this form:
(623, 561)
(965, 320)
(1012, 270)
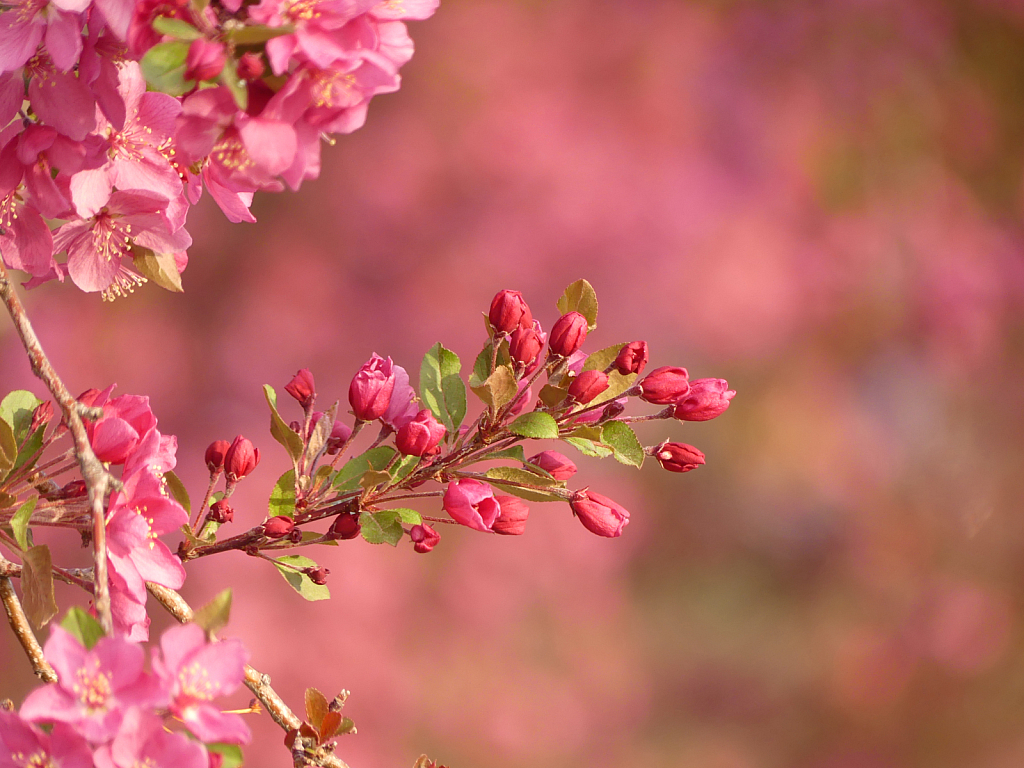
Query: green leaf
(580, 297)
(215, 614)
(617, 383)
(8, 448)
(229, 77)
(178, 491)
(441, 387)
(406, 465)
(163, 66)
(589, 447)
(552, 396)
(282, 497)
(524, 484)
(381, 527)
(279, 429)
(537, 424)
(27, 456)
(182, 30)
(254, 34)
(482, 365)
(348, 476)
(623, 441)
(232, 754)
(374, 477)
(83, 627)
(161, 268)
(17, 409)
(300, 582)
(515, 452)
(408, 516)
(19, 523)
(499, 389)
(37, 585)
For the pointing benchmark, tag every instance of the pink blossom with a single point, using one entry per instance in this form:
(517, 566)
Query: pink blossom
(471, 503)
(403, 406)
(28, 23)
(22, 745)
(60, 99)
(143, 741)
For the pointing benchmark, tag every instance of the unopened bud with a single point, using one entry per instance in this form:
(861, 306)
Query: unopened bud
(221, 512)
(707, 399)
(632, 358)
(345, 526)
(302, 388)
(278, 527)
(421, 435)
(339, 436)
(509, 311)
(215, 454)
(524, 345)
(678, 457)
(512, 518)
(369, 394)
(614, 409)
(424, 538)
(317, 575)
(205, 60)
(599, 514)
(250, 66)
(41, 415)
(555, 464)
(568, 334)
(588, 385)
(240, 459)
(665, 385)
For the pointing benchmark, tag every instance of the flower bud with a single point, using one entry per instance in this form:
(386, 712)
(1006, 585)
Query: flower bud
(221, 512)
(678, 457)
(317, 575)
(424, 538)
(524, 345)
(240, 459)
(421, 435)
(302, 388)
(568, 334)
(555, 464)
(509, 311)
(599, 514)
(278, 527)
(707, 399)
(471, 503)
(250, 66)
(215, 453)
(512, 518)
(41, 416)
(632, 358)
(369, 394)
(339, 436)
(665, 385)
(345, 526)
(205, 60)
(614, 409)
(588, 385)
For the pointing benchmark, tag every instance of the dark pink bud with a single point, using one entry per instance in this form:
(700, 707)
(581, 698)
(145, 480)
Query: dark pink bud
(317, 575)
(250, 66)
(678, 457)
(240, 459)
(509, 311)
(665, 385)
(302, 388)
(568, 334)
(524, 345)
(707, 399)
(41, 415)
(588, 385)
(215, 453)
(424, 538)
(369, 394)
(632, 358)
(555, 464)
(205, 60)
(599, 514)
(345, 526)
(512, 518)
(221, 512)
(421, 435)
(471, 503)
(339, 436)
(614, 409)
(278, 527)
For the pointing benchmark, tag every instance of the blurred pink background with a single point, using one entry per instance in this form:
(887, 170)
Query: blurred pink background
(820, 202)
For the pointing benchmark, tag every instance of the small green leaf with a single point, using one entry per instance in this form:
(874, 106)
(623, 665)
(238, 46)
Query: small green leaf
(231, 754)
(28, 455)
(515, 452)
(282, 497)
(623, 441)
(299, 581)
(83, 627)
(406, 465)
(178, 491)
(408, 516)
(279, 429)
(161, 268)
(381, 527)
(349, 475)
(37, 585)
(374, 477)
(589, 447)
(19, 523)
(482, 368)
(255, 34)
(580, 297)
(16, 409)
(524, 484)
(441, 387)
(538, 425)
(215, 614)
(229, 77)
(499, 389)
(163, 66)
(182, 30)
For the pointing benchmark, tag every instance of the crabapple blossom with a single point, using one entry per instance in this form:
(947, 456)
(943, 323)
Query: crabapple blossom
(707, 399)
(599, 514)
(471, 503)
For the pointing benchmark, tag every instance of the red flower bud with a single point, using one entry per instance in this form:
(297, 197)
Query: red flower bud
(205, 60)
(421, 435)
(278, 527)
(240, 459)
(41, 416)
(345, 526)
(524, 345)
(632, 358)
(471, 503)
(588, 385)
(509, 311)
(369, 394)
(599, 514)
(678, 457)
(555, 464)
(221, 512)
(568, 334)
(707, 399)
(665, 385)
(250, 66)
(512, 518)
(317, 575)
(339, 436)
(424, 538)
(302, 388)
(215, 453)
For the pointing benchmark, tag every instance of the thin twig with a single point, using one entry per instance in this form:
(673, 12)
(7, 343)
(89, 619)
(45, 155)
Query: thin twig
(95, 476)
(19, 623)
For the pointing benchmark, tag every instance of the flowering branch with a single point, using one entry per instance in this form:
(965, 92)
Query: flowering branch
(19, 623)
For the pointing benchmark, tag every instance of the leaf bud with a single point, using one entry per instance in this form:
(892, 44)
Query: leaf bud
(278, 527)
(424, 538)
(369, 394)
(421, 435)
(599, 514)
(345, 526)
(588, 385)
(317, 575)
(512, 517)
(555, 464)
(240, 459)
(568, 334)
(665, 385)
(678, 457)
(707, 399)
(509, 311)
(524, 345)
(205, 60)
(221, 512)
(302, 388)
(632, 358)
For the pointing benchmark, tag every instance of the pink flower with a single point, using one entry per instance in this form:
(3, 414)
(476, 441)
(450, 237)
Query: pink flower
(144, 741)
(126, 420)
(28, 23)
(196, 672)
(420, 435)
(370, 391)
(424, 538)
(61, 748)
(471, 503)
(707, 399)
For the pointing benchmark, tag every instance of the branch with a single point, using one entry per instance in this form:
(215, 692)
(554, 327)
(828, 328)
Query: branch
(95, 476)
(19, 623)
(255, 681)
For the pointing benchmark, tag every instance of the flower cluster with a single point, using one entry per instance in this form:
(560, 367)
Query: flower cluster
(106, 710)
(115, 114)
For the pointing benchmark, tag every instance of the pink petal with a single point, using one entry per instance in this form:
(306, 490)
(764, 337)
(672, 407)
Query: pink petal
(65, 653)
(271, 144)
(118, 14)
(31, 247)
(234, 204)
(90, 191)
(12, 93)
(210, 724)
(90, 270)
(63, 101)
(18, 43)
(49, 703)
(122, 660)
(175, 749)
(113, 439)
(158, 111)
(177, 643)
(151, 173)
(158, 564)
(64, 40)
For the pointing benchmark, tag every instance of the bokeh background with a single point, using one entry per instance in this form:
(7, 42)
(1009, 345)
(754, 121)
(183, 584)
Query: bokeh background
(821, 202)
